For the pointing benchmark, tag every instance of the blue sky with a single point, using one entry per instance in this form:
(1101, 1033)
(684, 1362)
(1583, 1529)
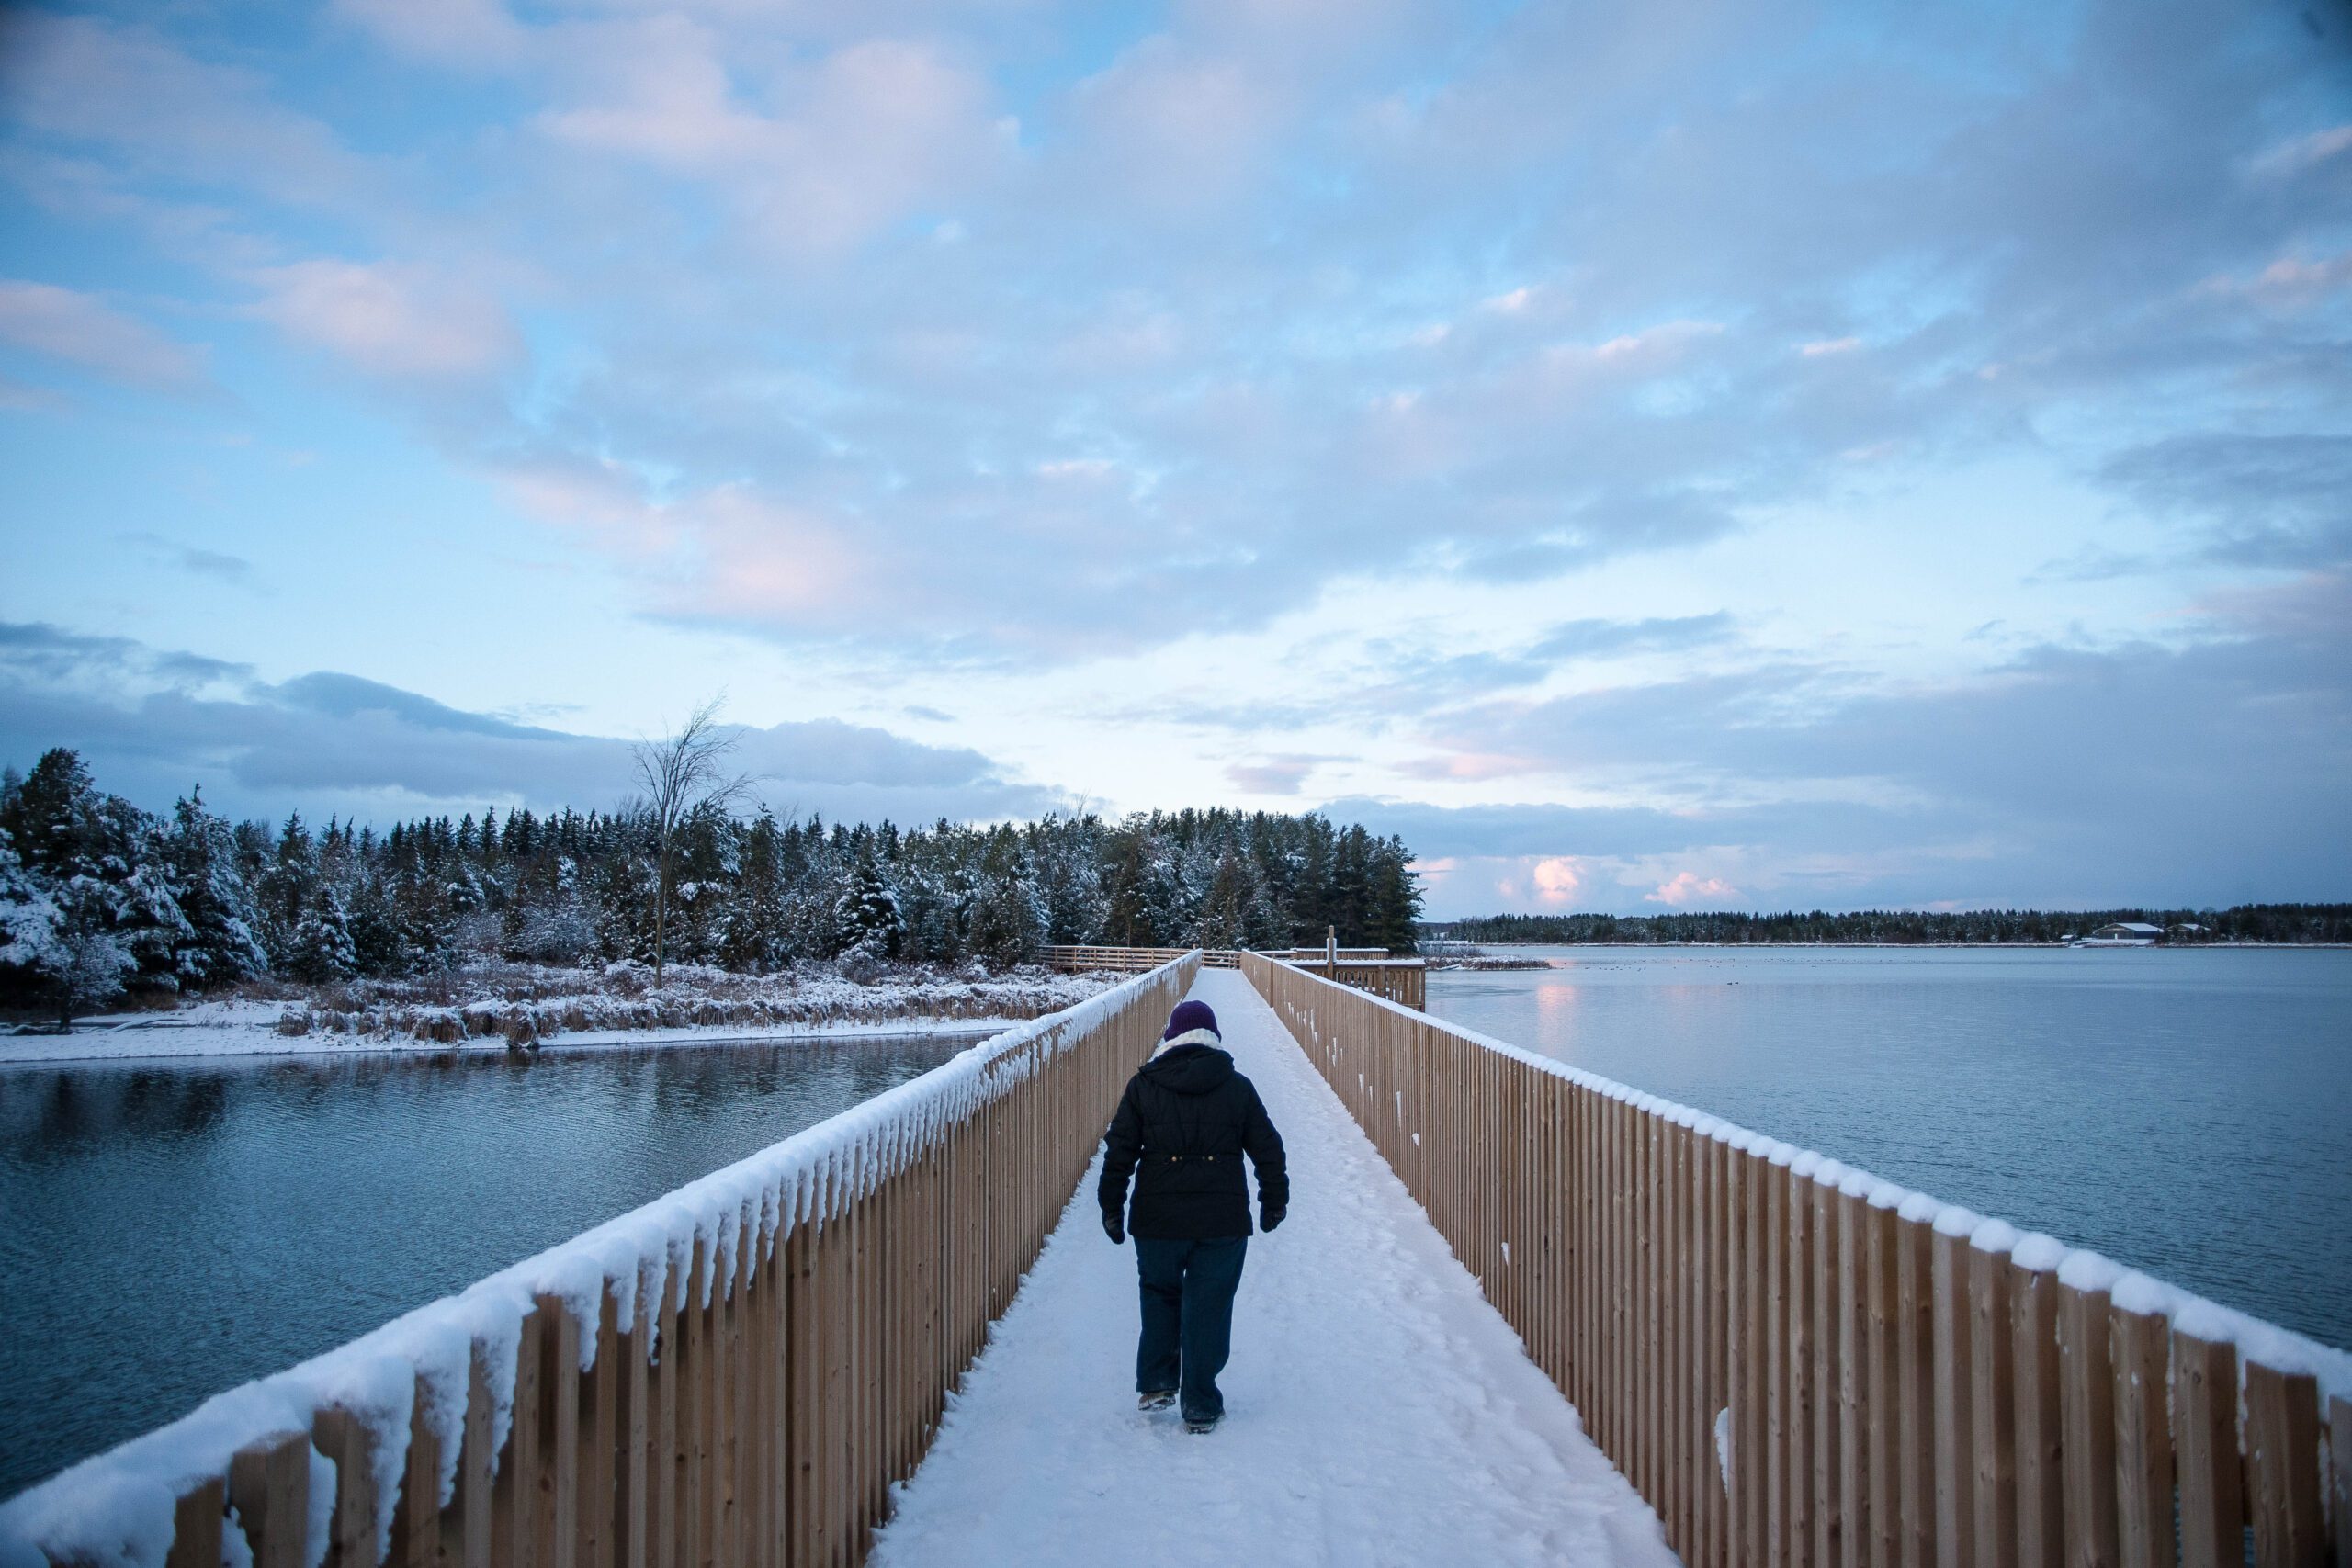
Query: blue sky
(1745, 454)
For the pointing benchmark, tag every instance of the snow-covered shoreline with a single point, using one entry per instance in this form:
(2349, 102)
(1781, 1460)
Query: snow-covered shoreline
(509, 1009)
(179, 1043)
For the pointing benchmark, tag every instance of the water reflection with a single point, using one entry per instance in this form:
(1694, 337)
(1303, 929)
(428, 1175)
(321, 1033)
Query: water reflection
(167, 1230)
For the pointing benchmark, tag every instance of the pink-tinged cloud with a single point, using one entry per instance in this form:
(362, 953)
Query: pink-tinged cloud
(81, 329)
(390, 319)
(1471, 766)
(724, 554)
(823, 157)
(1687, 887)
(1557, 878)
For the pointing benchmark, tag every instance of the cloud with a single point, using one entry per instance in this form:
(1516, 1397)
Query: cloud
(81, 329)
(2271, 500)
(2202, 768)
(130, 88)
(215, 564)
(1557, 879)
(2299, 153)
(1687, 887)
(388, 319)
(1204, 268)
(151, 722)
(1274, 775)
(835, 149)
(1596, 638)
(465, 35)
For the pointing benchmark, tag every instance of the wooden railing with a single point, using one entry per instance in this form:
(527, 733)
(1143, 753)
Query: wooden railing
(1401, 980)
(1081, 957)
(1798, 1364)
(735, 1374)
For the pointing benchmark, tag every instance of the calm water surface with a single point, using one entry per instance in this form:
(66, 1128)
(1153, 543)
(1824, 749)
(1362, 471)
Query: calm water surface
(170, 1229)
(2189, 1113)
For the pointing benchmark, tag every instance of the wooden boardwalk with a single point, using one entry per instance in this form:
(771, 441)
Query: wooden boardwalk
(1378, 1409)
(1787, 1361)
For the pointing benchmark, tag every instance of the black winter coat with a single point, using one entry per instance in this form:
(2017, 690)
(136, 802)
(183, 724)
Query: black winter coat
(1187, 1118)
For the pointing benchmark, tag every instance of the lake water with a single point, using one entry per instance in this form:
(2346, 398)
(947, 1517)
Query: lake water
(2187, 1112)
(170, 1229)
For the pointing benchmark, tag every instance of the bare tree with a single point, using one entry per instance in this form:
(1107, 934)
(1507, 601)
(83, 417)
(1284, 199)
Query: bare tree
(682, 775)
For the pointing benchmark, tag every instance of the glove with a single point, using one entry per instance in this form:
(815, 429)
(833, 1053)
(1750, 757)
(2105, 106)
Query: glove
(1268, 1218)
(1113, 1228)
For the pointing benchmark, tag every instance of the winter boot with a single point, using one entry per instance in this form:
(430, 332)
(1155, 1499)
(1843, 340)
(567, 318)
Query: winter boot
(1158, 1399)
(1199, 1424)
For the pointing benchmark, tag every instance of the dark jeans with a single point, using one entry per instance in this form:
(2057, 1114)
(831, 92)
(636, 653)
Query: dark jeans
(1187, 1318)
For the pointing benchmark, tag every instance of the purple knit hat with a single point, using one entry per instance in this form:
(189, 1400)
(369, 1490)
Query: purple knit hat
(1188, 1017)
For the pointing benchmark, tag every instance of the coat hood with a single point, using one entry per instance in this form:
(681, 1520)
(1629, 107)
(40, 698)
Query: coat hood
(1190, 1068)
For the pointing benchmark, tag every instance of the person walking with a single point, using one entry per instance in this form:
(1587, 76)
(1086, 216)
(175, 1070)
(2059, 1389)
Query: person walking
(1186, 1120)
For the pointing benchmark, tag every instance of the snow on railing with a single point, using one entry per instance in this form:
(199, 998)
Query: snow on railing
(1921, 1384)
(878, 1243)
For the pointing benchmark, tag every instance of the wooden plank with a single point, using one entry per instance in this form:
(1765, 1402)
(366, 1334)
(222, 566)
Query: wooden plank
(720, 1544)
(1651, 1368)
(1795, 1353)
(2033, 1317)
(833, 1405)
(269, 1485)
(351, 1526)
(698, 1361)
(1854, 1392)
(1747, 1449)
(2205, 1444)
(515, 1537)
(633, 1430)
(799, 1377)
(416, 1531)
(2282, 1468)
(556, 1509)
(1707, 1328)
(598, 1423)
(665, 1464)
(1993, 1400)
(1916, 1373)
(1690, 1451)
(197, 1518)
(1954, 1423)
(477, 1492)
(768, 1369)
(2339, 1448)
(2087, 1405)
(1824, 1381)
(2143, 1461)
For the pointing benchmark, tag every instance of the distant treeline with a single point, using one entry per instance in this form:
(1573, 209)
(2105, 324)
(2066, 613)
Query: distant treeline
(2242, 922)
(99, 896)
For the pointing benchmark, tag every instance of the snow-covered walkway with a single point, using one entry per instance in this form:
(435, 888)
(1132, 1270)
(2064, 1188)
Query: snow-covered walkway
(1378, 1411)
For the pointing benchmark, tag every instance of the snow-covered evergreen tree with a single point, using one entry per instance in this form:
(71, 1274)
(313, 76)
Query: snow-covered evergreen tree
(225, 924)
(33, 954)
(1009, 919)
(866, 918)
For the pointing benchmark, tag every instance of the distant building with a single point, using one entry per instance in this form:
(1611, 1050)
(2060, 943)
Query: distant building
(2123, 934)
